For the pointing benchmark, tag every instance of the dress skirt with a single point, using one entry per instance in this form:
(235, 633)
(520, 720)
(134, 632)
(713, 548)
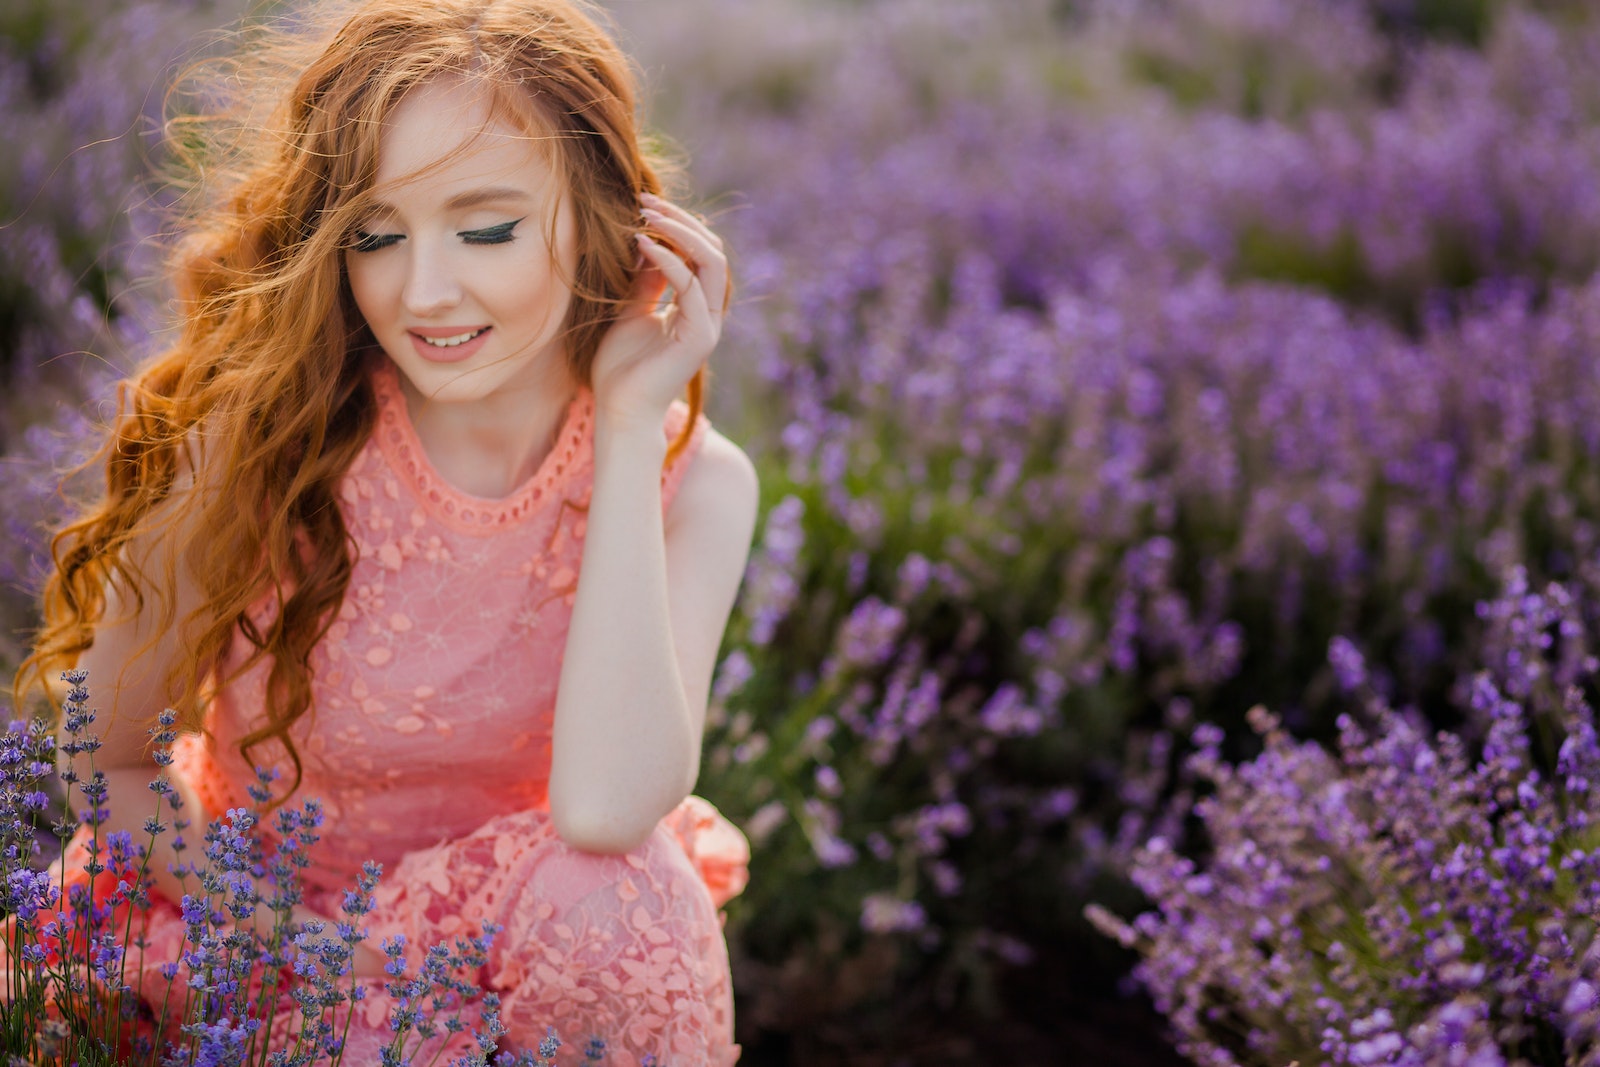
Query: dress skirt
(627, 948)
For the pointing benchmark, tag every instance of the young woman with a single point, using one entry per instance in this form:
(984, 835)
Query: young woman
(410, 511)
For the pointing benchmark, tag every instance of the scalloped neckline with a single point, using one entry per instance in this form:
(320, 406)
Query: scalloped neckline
(398, 439)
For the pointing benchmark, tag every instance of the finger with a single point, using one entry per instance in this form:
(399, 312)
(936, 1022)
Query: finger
(670, 264)
(700, 227)
(690, 300)
(696, 240)
(688, 218)
(700, 248)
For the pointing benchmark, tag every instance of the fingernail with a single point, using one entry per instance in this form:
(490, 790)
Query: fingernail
(652, 214)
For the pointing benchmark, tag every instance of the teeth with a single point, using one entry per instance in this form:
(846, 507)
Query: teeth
(451, 342)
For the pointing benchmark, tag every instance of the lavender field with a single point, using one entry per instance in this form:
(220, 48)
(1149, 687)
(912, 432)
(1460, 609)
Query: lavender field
(1173, 625)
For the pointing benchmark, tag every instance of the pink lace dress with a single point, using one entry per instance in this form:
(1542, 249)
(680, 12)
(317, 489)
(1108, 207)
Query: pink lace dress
(430, 750)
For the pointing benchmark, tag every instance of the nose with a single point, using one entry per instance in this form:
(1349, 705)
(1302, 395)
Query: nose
(431, 285)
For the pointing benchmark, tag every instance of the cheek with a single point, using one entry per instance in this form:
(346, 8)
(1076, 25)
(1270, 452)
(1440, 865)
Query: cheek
(367, 287)
(360, 286)
(534, 288)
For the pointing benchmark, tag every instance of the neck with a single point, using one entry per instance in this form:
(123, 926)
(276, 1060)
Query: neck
(491, 447)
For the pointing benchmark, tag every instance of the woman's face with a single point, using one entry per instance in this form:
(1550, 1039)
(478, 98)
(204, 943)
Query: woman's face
(455, 270)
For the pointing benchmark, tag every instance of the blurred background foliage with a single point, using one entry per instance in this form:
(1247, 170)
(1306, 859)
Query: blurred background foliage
(1103, 362)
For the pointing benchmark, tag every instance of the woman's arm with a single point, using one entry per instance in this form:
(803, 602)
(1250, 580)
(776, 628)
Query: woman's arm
(653, 594)
(652, 603)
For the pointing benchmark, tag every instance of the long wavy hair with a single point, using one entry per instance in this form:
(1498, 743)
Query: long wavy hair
(264, 392)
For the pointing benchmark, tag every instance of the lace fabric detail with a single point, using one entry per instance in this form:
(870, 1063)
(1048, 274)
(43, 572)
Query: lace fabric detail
(429, 746)
(628, 948)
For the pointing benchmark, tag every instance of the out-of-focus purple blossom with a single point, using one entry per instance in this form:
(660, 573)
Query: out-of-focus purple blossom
(732, 674)
(772, 585)
(765, 820)
(822, 826)
(882, 914)
(870, 634)
(1349, 666)
(1006, 714)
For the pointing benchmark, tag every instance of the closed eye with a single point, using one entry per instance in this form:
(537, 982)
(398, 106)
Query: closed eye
(491, 235)
(371, 242)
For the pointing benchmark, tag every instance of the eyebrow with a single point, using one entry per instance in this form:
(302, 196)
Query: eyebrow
(492, 194)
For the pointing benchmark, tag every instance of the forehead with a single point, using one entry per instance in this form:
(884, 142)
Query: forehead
(447, 137)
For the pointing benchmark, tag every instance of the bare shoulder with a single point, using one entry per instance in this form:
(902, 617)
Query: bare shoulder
(719, 489)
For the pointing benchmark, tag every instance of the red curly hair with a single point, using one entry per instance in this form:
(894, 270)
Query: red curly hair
(266, 387)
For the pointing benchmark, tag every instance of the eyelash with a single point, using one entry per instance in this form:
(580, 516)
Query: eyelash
(371, 242)
(489, 235)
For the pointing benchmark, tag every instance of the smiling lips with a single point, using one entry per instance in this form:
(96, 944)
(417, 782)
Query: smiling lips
(448, 344)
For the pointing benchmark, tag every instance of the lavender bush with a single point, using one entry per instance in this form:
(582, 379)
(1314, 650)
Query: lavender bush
(69, 944)
(81, 89)
(1403, 901)
(74, 949)
(1104, 364)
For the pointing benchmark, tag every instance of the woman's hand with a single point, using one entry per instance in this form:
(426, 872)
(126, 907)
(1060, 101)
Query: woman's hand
(649, 355)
